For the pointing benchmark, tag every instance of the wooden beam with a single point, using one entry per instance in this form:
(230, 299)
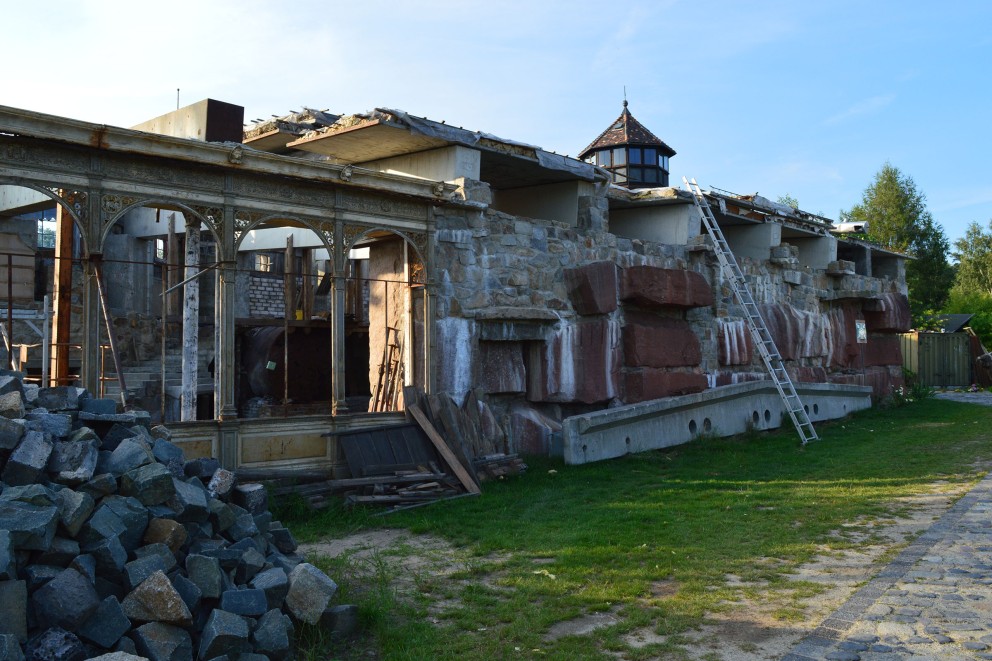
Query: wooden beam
(456, 466)
(289, 278)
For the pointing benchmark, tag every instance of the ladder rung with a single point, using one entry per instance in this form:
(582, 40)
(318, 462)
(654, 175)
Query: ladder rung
(765, 342)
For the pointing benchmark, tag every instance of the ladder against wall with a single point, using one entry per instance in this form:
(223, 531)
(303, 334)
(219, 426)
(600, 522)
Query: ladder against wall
(756, 324)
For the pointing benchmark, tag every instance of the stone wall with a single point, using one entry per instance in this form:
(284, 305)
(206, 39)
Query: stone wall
(563, 320)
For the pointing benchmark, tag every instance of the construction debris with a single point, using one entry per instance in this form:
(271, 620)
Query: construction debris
(445, 452)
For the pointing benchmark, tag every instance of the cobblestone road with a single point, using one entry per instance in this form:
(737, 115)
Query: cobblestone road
(934, 601)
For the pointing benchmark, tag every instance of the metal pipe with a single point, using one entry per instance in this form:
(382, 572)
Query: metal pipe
(190, 278)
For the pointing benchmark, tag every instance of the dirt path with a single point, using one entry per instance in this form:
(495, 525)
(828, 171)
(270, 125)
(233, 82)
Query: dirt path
(765, 627)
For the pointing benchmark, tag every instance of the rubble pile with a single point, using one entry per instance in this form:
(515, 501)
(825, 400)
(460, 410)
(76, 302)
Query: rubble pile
(111, 542)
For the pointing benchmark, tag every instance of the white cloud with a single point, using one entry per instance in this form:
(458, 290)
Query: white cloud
(867, 106)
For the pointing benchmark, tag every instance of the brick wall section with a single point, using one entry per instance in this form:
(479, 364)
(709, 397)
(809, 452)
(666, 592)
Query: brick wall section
(266, 296)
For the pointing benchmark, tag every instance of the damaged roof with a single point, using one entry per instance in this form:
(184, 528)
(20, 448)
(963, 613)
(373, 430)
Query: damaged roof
(274, 134)
(386, 133)
(626, 130)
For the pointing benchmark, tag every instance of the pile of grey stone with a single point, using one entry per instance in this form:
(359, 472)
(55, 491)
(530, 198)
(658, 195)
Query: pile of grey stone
(113, 545)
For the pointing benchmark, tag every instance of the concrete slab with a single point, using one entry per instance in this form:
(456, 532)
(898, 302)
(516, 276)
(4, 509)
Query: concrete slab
(722, 411)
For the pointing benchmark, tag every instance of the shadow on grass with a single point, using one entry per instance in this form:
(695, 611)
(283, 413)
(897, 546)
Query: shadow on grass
(754, 506)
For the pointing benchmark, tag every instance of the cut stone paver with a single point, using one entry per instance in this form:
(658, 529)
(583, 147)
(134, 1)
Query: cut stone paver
(931, 599)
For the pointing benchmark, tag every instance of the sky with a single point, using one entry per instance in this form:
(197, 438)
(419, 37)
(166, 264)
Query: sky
(806, 99)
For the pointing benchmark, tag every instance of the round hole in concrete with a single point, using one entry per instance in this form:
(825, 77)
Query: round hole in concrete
(584, 447)
(755, 417)
(816, 409)
(707, 425)
(692, 426)
(628, 440)
(806, 408)
(768, 415)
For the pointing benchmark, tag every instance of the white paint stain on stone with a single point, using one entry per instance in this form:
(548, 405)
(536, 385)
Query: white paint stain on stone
(455, 350)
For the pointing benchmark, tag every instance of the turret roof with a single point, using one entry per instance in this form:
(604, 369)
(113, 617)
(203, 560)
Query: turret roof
(626, 130)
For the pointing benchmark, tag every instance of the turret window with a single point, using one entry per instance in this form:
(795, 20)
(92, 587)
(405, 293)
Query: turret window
(634, 156)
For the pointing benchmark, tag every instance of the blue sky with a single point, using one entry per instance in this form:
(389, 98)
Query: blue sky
(800, 98)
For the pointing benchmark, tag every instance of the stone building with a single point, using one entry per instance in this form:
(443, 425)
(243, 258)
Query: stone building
(341, 257)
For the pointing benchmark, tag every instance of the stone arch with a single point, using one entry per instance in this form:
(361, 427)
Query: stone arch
(75, 208)
(112, 212)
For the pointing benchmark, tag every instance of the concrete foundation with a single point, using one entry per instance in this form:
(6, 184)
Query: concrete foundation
(723, 411)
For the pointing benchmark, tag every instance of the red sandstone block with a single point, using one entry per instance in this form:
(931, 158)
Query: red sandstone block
(881, 379)
(641, 385)
(592, 288)
(650, 341)
(883, 350)
(811, 374)
(650, 286)
(846, 352)
(501, 367)
(579, 363)
(889, 314)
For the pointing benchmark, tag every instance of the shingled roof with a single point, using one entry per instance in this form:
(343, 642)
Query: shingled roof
(626, 130)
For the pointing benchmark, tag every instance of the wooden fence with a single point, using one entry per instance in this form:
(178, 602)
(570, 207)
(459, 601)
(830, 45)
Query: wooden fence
(940, 360)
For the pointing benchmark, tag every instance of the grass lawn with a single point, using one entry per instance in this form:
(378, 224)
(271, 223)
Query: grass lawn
(565, 541)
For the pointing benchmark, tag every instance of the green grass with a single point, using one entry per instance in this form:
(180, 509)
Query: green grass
(563, 541)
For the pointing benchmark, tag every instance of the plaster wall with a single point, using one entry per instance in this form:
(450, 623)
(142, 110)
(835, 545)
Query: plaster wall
(16, 200)
(815, 252)
(149, 222)
(559, 202)
(445, 164)
(753, 241)
(888, 267)
(662, 224)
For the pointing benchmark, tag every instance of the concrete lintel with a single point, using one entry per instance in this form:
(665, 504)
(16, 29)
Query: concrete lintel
(723, 411)
(229, 155)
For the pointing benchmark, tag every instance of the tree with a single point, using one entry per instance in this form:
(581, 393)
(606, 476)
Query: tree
(977, 303)
(974, 255)
(788, 201)
(897, 218)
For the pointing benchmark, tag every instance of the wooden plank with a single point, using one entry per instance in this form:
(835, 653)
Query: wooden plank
(443, 449)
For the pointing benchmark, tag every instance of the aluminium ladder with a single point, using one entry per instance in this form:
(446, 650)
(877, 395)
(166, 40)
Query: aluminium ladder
(756, 324)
